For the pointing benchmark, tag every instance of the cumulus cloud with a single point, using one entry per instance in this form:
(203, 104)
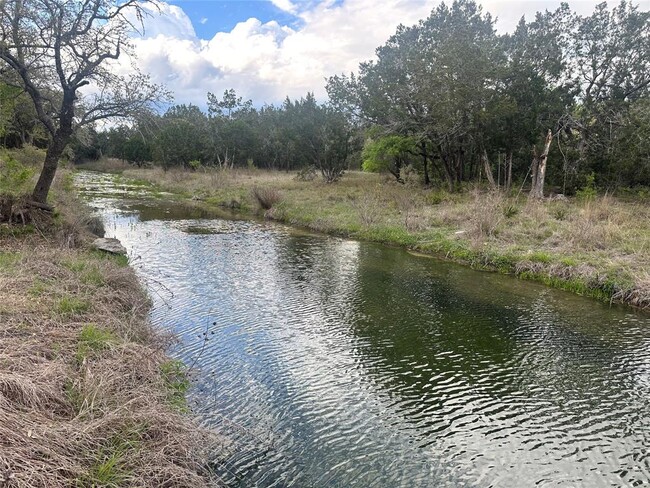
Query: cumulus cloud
(285, 5)
(268, 61)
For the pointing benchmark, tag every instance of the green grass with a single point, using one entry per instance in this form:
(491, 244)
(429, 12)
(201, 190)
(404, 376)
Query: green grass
(175, 376)
(16, 230)
(540, 257)
(69, 306)
(93, 339)
(8, 260)
(119, 259)
(485, 230)
(38, 288)
(111, 466)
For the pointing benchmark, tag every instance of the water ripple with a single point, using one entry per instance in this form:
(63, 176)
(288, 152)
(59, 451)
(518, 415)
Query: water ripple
(337, 363)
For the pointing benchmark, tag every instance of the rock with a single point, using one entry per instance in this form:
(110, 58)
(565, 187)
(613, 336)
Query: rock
(108, 244)
(557, 198)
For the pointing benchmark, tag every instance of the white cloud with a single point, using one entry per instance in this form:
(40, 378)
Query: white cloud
(285, 5)
(267, 61)
(168, 20)
(203, 20)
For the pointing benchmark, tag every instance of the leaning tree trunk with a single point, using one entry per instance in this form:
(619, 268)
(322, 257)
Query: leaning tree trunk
(55, 148)
(52, 156)
(539, 169)
(488, 169)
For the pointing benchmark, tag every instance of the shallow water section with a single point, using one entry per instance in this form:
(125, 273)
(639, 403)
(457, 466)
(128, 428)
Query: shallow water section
(337, 363)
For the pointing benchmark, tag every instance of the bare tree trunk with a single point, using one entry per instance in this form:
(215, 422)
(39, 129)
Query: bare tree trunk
(539, 168)
(509, 163)
(488, 169)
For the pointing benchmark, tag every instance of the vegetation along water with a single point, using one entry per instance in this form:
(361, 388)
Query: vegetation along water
(315, 354)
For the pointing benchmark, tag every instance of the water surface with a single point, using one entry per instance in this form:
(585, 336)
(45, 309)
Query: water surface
(336, 363)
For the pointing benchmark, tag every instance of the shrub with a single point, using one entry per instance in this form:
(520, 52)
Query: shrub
(560, 212)
(368, 207)
(409, 175)
(266, 197)
(306, 174)
(588, 192)
(510, 210)
(15, 177)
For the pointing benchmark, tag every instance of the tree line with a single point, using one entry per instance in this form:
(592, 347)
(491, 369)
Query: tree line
(562, 100)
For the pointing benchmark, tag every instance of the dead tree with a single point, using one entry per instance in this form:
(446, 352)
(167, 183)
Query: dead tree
(539, 168)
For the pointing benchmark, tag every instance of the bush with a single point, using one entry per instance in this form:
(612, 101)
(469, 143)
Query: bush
(510, 210)
(588, 192)
(29, 156)
(266, 197)
(15, 178)
(409, 175)
(306, 174)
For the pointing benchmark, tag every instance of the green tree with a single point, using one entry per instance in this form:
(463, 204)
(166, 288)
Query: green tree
(389, 153)
(54, 48)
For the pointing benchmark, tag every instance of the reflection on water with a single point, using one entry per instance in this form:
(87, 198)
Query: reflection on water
(337, 363)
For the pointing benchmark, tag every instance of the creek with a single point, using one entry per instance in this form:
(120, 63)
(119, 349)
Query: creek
(330, 362)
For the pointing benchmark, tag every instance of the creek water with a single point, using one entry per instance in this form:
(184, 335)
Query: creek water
(334, 363)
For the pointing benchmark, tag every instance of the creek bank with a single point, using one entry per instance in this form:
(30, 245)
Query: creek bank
(88, 395)
(596, 248)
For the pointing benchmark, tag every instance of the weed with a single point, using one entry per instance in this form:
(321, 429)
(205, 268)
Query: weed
(110, 469)
(93, 276)
(76, 266)
(566, 261)
(560, 212)
(15, 178)
(368, 208)
(510, 210)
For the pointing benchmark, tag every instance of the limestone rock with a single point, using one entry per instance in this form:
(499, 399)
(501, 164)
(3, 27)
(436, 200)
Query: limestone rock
(109, 244)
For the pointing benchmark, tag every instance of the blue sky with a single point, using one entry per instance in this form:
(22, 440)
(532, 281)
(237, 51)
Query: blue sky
(267, 50)
(211, 16)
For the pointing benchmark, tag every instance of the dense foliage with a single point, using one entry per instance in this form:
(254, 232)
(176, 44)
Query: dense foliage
(448, 97)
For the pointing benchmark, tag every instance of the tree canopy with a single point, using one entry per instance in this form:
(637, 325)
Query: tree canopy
(59, 54)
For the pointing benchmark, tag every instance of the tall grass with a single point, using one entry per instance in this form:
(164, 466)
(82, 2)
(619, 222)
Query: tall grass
(475, 226)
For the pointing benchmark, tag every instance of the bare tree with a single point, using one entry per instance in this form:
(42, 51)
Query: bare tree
(539, 167)
(54, 48)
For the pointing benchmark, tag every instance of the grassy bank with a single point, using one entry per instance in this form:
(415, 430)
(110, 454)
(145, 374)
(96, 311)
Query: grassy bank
(88, 396)
(597, 246)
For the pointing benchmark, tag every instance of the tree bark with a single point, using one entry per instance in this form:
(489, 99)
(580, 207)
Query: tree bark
(539, 168)
(488, 169)
(55, 148)
(52, 156)
(509, 170)
(425, 163)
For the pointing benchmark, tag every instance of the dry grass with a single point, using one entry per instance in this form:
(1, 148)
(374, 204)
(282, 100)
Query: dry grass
(266, 197)
(84, 398)
(106, 165)
(482, 228)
